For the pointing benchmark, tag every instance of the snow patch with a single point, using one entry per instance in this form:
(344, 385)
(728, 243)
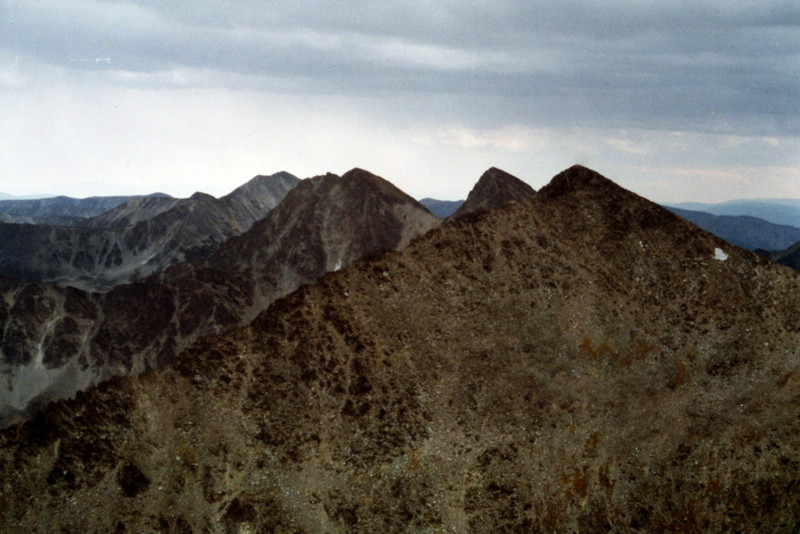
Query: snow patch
(720, 255)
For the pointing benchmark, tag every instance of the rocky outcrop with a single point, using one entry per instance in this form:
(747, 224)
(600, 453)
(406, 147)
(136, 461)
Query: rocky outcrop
(584, 361)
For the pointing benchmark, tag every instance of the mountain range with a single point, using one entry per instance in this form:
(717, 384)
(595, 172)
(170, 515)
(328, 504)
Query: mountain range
(744, 231)
(57, 340)
(60, 210)
(784, 211)
(134, 238)
(579, 360)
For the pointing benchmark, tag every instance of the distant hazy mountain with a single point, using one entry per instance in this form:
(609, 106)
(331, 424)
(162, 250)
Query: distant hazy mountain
(136, 238)
(6, 196)
(441, 208)
(51, 220)
(778, 211)
(583, 361)
(744, 231)
(42, 210)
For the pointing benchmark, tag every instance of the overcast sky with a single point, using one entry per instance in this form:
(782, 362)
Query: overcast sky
(676, 100)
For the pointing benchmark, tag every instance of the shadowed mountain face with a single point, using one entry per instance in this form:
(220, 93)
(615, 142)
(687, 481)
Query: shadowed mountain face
(494, 189)
(789, 257)
(583, 361)
(57, 340)
(137, 238)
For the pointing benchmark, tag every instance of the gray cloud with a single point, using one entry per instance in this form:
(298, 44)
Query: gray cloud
(716, 67)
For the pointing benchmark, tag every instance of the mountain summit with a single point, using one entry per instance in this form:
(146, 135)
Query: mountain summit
(494, 189)
(575, 178)
(584, 361)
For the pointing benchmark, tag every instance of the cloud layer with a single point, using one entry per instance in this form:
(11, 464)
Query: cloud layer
(132, 94)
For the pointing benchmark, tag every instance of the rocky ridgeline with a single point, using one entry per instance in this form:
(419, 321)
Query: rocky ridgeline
(580, 361)
(59, 340)
(136, 238)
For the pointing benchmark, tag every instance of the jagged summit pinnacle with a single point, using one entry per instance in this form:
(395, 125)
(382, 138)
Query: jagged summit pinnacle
(495, 188)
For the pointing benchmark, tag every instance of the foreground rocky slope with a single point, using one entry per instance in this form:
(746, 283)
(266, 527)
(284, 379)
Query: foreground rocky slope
(58, 340)
(583, 361)
(136, 238)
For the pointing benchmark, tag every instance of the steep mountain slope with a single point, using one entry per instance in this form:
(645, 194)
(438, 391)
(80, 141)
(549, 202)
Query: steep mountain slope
(495, 188)
(583, 361)
(61, 208)
(742, 230)
(441, 208)
(57, 340)
(137, 238)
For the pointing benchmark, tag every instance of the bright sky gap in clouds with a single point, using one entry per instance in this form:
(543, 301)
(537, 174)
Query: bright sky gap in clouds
(673, 100)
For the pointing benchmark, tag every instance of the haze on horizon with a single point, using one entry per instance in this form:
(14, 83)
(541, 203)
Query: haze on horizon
(674, 101)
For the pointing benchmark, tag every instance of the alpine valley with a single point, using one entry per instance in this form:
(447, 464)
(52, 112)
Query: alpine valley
(325, 355)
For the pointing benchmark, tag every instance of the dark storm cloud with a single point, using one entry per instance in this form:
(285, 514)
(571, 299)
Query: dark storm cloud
(622, 63)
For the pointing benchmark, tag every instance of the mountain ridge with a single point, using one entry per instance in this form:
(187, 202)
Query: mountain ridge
(136, 238)
(581, 361)
(55, 339)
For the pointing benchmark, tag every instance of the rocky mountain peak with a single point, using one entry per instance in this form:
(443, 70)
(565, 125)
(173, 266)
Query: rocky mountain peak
(577, 178)
(349, 215)
(202, 197)
(265, 182)
(495, 188)
(366, 181)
